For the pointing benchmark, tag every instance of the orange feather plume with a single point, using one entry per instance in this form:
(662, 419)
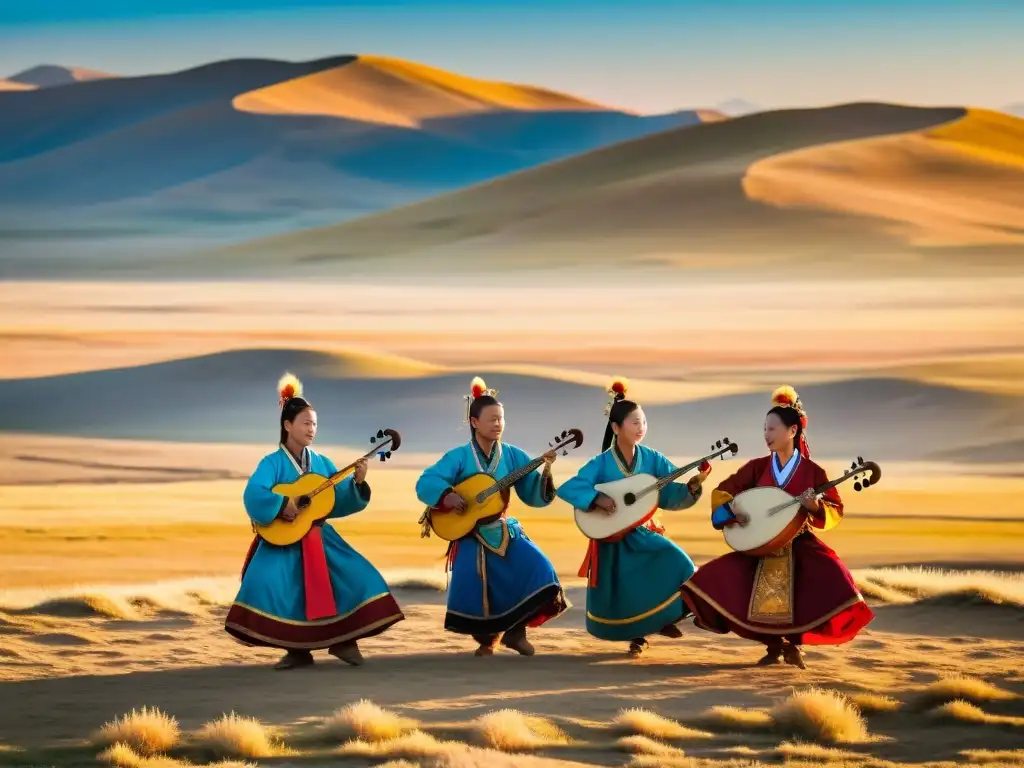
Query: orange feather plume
(785, 395)
(618, 386)
(478, 387)
(288, 387)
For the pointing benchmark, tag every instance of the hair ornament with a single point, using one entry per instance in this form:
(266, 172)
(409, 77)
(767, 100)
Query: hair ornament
(616, 389)
(787, 397)
(288, 387)
(477, 388)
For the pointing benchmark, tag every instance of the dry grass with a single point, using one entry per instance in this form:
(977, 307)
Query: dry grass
(123, 756)
(235, 736)
(737, 718)
(646, 746)
(872, 703)
(1004, 756)
(800, 750)
(646, 723)
(905, 585)
(966, 712)
(822, 715)
(147, 731)
(963, 688)
(413, 744)
(510, 730)
(367, 721)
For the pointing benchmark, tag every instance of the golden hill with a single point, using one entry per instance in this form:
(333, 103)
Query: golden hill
(377, 89)
(961, 183)
(709, 196)
(13, 85)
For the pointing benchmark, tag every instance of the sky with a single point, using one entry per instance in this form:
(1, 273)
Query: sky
(643, 55)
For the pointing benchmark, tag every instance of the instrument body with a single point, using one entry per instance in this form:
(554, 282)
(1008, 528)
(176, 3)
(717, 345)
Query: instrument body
(452, 526)
(488, 497)
(636, 498)
(315, 495)
(777, 517)
(765, 532)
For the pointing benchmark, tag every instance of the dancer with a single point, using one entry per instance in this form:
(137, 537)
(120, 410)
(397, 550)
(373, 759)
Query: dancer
(501, 582)
(800, 595)
(634, 579)
(318, 593)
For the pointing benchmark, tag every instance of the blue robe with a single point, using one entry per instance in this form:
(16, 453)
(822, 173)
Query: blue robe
(638, 578)
(500, 579)
(270, 608)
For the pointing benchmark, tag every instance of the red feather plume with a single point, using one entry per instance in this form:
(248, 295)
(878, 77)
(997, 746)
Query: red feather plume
(618, 386)
(477, 388)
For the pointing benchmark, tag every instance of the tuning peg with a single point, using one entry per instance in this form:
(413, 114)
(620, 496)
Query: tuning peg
(373, 440)
(860, 459)
(856, 486)
(565, 453)
(867, 482)
(725, 440)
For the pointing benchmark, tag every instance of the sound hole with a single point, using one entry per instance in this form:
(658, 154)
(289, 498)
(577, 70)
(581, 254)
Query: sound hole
(303, 502)
(629, 498)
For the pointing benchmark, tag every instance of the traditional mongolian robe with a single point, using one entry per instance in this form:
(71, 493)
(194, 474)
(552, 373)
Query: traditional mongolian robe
(500, 579)
(634, 580)
(317, 592)
(803, 592)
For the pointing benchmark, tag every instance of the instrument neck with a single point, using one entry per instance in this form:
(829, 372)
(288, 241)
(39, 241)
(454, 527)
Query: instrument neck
(344, 472)
(516, 475)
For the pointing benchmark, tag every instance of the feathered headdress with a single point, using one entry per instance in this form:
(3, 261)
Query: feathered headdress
(616, 387)
(288, 387)
(787, 397)
(478, 388)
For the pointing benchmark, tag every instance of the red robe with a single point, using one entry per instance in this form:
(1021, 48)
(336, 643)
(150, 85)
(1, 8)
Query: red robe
(826, 606)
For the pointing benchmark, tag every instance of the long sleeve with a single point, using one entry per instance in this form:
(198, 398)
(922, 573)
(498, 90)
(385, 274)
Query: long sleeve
(261, 504)
(437, 480)
(831, 512)
(535, 489)
(578, 491)
(674, 496)
(727, 490)
(349, 497)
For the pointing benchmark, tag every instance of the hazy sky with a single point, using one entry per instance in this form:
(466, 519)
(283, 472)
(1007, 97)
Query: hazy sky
(641, 54)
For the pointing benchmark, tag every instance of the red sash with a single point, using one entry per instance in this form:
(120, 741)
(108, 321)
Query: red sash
(315, 577)
(589, 566)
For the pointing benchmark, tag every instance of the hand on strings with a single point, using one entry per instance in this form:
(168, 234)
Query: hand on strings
(809, 500)
(604, 504)
(549, 459)
(455, 503)
(359, 476)
(290, 511)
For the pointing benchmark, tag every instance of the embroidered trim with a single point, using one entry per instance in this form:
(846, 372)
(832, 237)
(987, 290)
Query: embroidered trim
(492, 465)
(626, 472)
(639, 617)
(767, 630)
(306, 460)
(771, 599)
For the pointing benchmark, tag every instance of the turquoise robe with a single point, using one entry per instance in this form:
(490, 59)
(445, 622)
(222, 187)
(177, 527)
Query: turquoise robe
(500, 579)
(271, 606)
(638, 577)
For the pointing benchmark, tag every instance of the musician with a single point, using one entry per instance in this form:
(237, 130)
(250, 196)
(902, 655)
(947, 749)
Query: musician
(501, 582)
(634, 580)
(802, 594)
(319, 592)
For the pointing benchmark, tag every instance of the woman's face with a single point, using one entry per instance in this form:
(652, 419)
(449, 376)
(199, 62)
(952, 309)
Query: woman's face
(777, 435)
(302, 431)
(633, 427)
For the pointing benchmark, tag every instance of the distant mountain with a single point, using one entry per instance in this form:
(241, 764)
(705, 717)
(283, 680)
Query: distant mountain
(249, 147)
(51, 75)
(738, 107)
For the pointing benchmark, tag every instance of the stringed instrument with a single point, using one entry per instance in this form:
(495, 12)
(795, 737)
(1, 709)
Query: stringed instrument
(487, 498)
(314, 494)
(636, 497)
(777, 517)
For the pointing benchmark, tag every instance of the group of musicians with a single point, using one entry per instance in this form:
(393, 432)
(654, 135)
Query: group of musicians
(321, 594)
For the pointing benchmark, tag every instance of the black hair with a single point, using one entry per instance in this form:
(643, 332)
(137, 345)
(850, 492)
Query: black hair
(791, 417)
(291, 410)
(477, 407)
(619, 412)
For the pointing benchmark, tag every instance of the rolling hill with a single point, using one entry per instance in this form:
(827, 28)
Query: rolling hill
(864, 183)
(263, 146)
(53, 75)
(225, 397)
